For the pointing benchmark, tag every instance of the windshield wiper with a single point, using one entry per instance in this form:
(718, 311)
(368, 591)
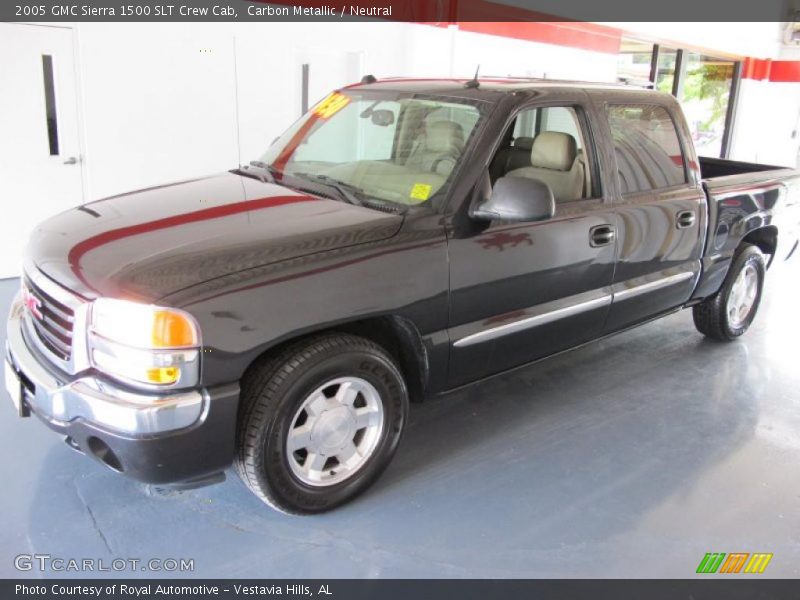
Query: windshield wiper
(353, 194)
(349, 192)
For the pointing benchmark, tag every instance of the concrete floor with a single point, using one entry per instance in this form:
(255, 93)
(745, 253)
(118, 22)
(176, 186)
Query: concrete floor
(631, 457)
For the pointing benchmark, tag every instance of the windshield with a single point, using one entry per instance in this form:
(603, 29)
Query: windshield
(396, 147)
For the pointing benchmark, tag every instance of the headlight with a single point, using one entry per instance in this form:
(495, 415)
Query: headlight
(144, 344)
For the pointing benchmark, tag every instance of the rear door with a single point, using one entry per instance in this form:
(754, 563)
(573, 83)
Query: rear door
(659, 205)
(524, 290)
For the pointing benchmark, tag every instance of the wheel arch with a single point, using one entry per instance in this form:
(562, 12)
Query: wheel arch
(397, 335)
(765, 238)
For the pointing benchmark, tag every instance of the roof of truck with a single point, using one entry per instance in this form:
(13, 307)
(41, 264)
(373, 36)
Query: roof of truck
(492, 85)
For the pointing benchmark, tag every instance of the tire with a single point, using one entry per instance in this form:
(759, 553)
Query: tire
(717, 316)
(325, 392)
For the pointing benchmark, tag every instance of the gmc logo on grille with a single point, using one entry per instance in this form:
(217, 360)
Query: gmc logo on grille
(32, 303)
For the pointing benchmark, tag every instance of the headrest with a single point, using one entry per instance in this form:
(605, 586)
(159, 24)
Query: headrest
(526, 143)
(554, 150)
(443, 136)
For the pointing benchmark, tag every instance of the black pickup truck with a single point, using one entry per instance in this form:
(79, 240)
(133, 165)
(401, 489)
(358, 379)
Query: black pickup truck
(403, 238)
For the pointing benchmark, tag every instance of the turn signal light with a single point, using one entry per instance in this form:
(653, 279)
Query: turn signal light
(172, 330)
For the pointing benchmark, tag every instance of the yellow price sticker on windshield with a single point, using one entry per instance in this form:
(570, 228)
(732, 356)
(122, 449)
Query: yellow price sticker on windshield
(331, 104)
(420, 191)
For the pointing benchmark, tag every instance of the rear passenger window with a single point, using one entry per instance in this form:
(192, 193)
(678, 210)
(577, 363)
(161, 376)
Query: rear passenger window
(647, 148)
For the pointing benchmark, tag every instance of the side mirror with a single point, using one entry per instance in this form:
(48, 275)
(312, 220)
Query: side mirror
(382, 118)
(517, 199)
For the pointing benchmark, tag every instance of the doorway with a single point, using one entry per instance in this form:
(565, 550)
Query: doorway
(40, 156)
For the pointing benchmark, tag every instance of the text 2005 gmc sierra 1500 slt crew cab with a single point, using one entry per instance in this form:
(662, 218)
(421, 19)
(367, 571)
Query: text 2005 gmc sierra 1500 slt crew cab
(402, 239)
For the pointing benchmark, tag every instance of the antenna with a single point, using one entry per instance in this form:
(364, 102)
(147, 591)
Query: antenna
(474, 83)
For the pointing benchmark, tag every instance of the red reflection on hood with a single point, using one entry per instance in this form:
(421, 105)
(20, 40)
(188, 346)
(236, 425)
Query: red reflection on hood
(77, 252)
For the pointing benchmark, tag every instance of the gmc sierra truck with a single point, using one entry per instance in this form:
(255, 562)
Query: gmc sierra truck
(403, 238)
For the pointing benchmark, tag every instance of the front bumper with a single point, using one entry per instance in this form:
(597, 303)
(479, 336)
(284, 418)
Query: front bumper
(178, 437)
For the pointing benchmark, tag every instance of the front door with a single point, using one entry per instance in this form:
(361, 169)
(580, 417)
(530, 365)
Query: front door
(524, 290)
(40, 170)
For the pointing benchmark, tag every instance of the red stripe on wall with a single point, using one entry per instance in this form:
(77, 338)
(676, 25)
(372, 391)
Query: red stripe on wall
(778, 71)
(756, 68)
(785, 71)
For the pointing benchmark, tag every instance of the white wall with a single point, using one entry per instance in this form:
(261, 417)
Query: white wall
(767, 123)
(512, 57)
(157, 104)
(161, 102)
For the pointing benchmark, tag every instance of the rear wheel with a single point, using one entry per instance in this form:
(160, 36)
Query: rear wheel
(728, 314)
(320, 422)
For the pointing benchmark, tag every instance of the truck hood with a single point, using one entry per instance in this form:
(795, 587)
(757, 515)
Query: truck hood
(147, 244)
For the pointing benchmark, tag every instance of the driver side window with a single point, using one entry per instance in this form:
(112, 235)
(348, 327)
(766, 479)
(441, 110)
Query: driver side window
(546, 144)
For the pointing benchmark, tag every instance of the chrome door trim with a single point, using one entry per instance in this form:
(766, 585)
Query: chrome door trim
(631, 292)
(533, 321)
(544, 316)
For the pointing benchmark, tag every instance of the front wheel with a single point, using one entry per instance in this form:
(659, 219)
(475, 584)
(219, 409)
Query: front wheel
(320, 422)
(728, 314)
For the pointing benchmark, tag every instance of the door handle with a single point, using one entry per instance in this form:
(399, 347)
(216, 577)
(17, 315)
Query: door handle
(685, 219)
(601, 235)
(72, 160)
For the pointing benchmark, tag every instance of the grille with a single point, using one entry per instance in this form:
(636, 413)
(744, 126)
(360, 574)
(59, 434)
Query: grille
(52, 321)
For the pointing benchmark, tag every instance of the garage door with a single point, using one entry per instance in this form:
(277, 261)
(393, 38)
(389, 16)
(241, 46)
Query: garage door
(40, 169)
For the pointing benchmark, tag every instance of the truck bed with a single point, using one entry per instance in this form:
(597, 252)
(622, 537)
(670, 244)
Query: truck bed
(712, 168)
(721, 176)
(743, 197)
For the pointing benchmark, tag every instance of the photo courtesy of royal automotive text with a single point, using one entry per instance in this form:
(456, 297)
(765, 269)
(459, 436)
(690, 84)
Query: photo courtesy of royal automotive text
(398, 299)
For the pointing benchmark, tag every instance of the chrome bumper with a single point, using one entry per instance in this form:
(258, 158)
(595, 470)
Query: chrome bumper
(61, 400)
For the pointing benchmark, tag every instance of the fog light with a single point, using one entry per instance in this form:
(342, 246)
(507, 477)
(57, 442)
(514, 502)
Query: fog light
(164, 375)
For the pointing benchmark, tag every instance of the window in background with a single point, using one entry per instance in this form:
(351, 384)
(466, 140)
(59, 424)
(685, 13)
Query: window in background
(704, 96)
(665, 70)
(564, 120)
(705, 86)
(530, 123)
(50, 103)
(634, 61)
